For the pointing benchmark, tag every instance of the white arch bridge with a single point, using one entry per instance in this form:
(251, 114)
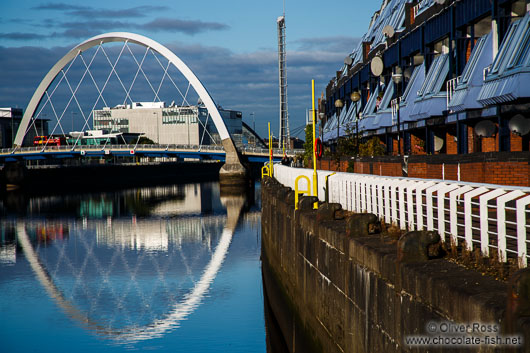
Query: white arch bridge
(63, 89)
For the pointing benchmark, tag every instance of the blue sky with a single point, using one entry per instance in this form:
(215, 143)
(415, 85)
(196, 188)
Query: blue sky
(230, 45)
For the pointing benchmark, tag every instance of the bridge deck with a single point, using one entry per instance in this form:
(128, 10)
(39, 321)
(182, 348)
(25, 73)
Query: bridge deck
(170, 151)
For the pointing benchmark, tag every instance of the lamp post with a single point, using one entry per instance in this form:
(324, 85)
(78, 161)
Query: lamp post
(338, 105)
(397, 77)
(355, 97)
(321, 116)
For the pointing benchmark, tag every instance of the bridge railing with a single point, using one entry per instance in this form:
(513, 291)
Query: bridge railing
(170, 147)
(492, 218)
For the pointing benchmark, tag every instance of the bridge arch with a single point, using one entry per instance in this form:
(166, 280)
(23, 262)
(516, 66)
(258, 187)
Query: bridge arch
(128, 38)
(179, 311)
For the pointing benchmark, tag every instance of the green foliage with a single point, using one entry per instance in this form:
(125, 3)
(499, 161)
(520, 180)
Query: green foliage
(372, 147)
(308, 144)
(347, 144)
(145, 141)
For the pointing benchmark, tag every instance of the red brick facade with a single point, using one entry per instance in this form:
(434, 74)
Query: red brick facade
(451, 144)
(504, 168)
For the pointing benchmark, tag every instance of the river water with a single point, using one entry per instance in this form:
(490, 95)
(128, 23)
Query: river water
(168, 269)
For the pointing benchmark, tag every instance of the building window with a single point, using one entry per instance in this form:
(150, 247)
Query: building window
(523, 48)
(506, 43)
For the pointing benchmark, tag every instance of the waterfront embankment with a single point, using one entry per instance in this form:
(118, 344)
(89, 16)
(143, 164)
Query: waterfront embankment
(351, 291)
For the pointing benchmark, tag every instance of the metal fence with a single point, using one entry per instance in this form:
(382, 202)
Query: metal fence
(143, 147)
(484, 216)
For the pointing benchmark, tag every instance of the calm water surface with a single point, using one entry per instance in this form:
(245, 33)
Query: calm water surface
(171, 268)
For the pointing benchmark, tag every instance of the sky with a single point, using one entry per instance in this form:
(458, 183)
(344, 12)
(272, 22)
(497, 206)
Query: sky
(230, 45)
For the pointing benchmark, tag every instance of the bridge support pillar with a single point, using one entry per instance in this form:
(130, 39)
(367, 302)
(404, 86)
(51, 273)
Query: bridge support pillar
(233, 174)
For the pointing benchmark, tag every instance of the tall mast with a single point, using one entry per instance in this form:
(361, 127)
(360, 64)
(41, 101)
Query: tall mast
(284, 136)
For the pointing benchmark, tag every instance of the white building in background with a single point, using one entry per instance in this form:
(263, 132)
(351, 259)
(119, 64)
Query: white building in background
(168, 125)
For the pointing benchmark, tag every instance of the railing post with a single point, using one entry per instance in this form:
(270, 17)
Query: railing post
(521, 229)
(374, 196)
(484, 224)
(430, 209)
(327, 187)
(388, 217)
(501, 221)
(419, 202)
(402, 185)
(468, 215)
(297, 191)
(453, 210)
(411, 187)
(441, 208)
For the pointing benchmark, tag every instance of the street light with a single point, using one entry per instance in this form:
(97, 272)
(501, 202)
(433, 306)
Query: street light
(321, 116)
(355, 97)
(397, 77)
(338, 105)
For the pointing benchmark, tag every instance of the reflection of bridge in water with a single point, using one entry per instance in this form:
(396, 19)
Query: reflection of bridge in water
(119, 294)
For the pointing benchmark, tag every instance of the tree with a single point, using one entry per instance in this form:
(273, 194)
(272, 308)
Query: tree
(372, 147)
(308, 144)
(145, 141)
(347, 145)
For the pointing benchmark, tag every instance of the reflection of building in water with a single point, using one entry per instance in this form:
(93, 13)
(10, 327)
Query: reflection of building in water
(8, 248)
(196, 199)
(45, 233)
(42, 233)
(8, 254)
(170, 200)
(159, 235)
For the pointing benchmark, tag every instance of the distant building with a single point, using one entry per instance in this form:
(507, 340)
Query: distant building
(10, 119)
(180, 125)
(294, 143)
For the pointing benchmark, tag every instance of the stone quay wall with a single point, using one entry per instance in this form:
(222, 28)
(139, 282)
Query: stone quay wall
(353, 292)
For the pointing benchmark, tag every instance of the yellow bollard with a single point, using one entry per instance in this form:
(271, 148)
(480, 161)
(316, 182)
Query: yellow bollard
(297, 191)
(265, 171)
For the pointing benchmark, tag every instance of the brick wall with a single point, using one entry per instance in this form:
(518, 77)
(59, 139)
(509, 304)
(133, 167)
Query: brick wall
(395, 146)
(504, 168)
(417, 145)
(451, 146)
(470, 140)
(489, 144)
(516, 142)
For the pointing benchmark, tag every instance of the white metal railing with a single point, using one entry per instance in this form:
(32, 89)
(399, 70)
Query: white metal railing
(485, 216)
(394, 105)
(450, 88)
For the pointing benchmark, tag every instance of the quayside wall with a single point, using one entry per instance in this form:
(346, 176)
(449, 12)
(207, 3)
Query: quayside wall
(350, 293)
